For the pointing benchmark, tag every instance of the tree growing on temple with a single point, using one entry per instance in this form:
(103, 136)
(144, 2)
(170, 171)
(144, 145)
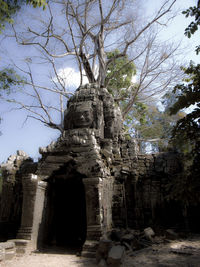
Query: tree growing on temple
(86, 32)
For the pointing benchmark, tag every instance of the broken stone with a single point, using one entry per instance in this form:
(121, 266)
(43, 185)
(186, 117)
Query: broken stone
(127, 237)
(21, 153)
(171, 234)
(149, 233)
(103, 249)
(116, 256)
(127, 246)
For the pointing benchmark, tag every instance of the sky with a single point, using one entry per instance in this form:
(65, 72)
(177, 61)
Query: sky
(19, 134)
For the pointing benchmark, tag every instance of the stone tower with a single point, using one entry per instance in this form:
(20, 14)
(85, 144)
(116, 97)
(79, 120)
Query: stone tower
(75, 172)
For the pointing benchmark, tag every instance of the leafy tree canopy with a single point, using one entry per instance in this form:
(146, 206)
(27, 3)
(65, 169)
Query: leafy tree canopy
(189, 91)
(119, 76)
(187, 131)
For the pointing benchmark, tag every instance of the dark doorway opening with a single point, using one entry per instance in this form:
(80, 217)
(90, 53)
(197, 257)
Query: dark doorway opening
(65, 225)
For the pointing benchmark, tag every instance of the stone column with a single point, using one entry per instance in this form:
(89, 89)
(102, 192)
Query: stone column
(37, 230)
(29, 182)
(94, 227)
(93, 207)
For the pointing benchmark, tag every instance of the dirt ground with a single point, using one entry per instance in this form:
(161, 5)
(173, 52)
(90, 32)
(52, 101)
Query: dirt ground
(49, 260)
(177, 253)
(183, 253)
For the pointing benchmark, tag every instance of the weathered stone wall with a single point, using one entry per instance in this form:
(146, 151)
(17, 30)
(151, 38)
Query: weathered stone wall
(146, 190)
(12, 193)
(139, 186)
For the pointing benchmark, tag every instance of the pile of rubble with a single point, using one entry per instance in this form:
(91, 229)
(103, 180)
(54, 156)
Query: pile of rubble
(121, 243)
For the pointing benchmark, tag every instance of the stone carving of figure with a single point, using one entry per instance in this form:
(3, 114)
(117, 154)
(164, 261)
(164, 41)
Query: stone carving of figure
(79, 115)
(83, 118)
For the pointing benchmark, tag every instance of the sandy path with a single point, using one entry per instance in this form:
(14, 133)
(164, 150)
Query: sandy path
(49, 260)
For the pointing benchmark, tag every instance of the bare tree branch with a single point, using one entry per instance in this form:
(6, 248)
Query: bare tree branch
(85, 31)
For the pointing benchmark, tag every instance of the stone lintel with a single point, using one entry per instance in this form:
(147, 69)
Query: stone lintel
(92, 181)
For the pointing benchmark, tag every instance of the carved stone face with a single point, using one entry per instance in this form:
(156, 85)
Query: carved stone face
(79, 115)
(83, 118)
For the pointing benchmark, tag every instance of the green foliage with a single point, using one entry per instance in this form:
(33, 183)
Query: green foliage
(189, 91)
(9, 7)
(187, 131)
(135, 117)
(158, 126)
(185, 187)
(142, 121)
(119, 83)
(8, 78)
(37, 3)
(120, 72)
(193, 26)
(186, 138)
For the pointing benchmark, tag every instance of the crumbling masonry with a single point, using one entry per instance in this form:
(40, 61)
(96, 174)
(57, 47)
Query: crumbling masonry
(92, 179)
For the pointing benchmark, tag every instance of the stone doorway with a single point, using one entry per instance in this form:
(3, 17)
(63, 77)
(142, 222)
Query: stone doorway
(65, 219)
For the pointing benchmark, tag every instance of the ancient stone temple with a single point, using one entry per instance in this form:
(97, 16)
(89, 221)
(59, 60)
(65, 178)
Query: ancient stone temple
(92, 179)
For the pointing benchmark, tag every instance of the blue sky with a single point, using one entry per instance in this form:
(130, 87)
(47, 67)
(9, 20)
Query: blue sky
(30, 135)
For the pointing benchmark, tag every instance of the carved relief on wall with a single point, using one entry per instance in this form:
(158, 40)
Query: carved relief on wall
(79, 115)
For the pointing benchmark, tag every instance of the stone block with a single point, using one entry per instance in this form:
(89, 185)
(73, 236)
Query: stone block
(9, 255)
(149, 233)
(9, 245)
(21, 246)
(103, 249)
(116, 256)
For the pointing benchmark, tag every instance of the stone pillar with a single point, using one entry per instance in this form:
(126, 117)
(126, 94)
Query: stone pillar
(106, 196)
(29, 182)
(94, 216)
(93, 208)
(37, 230)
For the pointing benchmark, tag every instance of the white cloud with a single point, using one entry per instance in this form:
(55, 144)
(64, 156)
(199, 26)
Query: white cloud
(71, 77)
